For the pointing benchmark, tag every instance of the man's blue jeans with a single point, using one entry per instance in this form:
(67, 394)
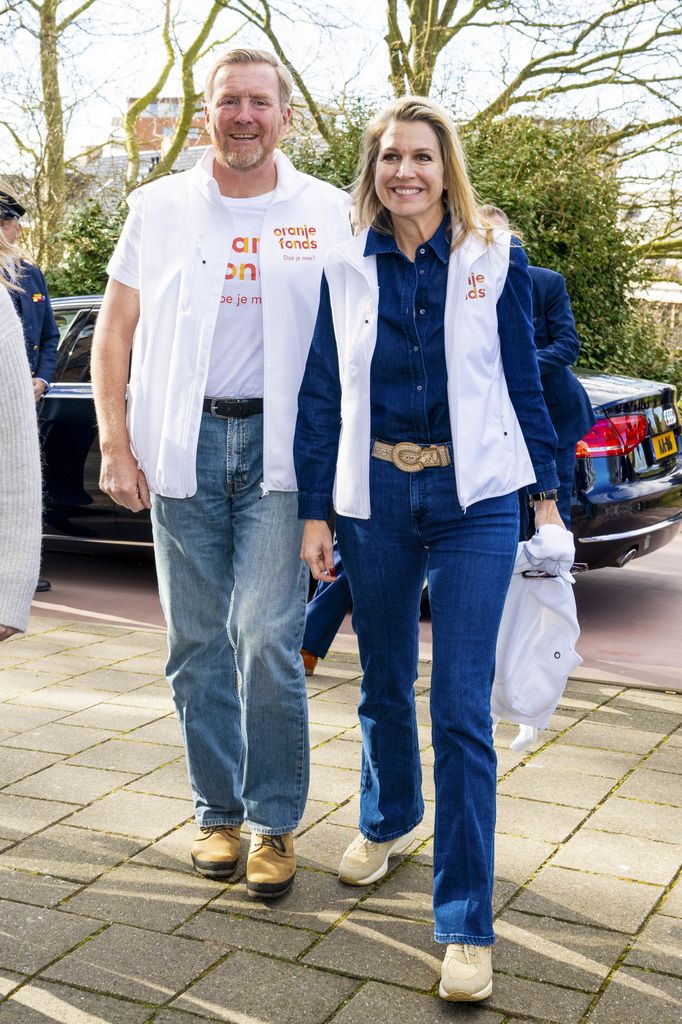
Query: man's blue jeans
(418, 529)
(232, 588)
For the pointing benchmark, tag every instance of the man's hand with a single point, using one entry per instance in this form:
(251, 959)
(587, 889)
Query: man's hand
(38, 388)
(317, 550)
(124, 481)
(547, 512)
(6, 632)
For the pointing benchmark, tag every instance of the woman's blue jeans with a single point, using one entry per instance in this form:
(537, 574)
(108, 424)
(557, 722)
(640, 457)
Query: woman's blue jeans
(232, 588)
(418, 529)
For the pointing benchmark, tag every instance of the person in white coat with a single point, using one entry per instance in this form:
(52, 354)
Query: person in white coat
(420, 415)
(20, 484)
(215, 278)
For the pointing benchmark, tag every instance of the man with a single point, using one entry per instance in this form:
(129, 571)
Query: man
(217, 276)
(32, 303)
(558, 345)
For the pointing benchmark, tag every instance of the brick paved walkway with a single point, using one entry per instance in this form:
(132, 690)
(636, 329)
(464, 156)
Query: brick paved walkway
(102, 921)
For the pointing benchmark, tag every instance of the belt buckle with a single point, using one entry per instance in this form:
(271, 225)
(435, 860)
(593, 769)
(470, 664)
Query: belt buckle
(214, 409)
(407, 456)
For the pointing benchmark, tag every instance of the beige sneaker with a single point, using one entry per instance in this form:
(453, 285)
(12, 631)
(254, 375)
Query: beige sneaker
(271, 866)
(215, 850)
(365, 862)
(467, 973)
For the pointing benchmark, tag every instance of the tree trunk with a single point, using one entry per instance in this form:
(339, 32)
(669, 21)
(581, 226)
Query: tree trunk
(51, 185)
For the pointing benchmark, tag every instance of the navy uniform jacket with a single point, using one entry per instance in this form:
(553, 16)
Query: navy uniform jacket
(558, 348)
(32, 303)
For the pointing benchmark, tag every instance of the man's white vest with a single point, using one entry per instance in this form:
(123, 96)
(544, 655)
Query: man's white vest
(490, 454)
(186, 233)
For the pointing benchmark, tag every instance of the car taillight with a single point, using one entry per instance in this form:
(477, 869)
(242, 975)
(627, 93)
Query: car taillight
(617, 436)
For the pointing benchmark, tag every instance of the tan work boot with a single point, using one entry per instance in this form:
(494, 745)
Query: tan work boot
(215, 850)
(271, 866)
(467, 973)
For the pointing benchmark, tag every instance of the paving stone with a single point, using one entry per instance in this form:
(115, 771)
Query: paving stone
(173, 851)
(322, 733)
(536, 820)
(322, 846)
(407, 893)
(20, 816)
(316, 901)
(127, 755)
(657, 787)
(134, 893)
(599, 900)
(635, 996)
(333, 784)
(133, 814)
(58, 739)
(611, 737)
(608, 764)
(163, 730)
(40, 890)
(315, 810)
(667, 758)
(107, 679)
(229, 931)
(253, 988)
(549, 1002)
(326, 712)
(41, 1002)
(558, 786)
(30, 937)
(338, 754)
(72, 853)
(623, 713)
(383, 948)
(673, 902)
(624, 856)
(154, 697)
(149, 664)
(386, 1004)
(630, 817)
(507, 760)
(59, 700)
(349, 814)
(70, 662)
(659, 947)
(17, 764)
(134, 963)
(517, 858)
(21, 718)
(343, 693)
(8, 981)
(70, 783)
(551, 951)
(21, 680)
(121, 718)
(170, 780)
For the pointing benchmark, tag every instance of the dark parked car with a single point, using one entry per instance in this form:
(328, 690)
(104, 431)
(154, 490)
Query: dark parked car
(628, 483)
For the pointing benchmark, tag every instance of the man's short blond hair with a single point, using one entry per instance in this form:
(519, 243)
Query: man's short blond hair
(246, 55)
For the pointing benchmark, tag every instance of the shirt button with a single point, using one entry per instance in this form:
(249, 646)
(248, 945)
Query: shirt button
(422, 251)
(421, 271)
(416, 348)
(419, 387)
(421, 312)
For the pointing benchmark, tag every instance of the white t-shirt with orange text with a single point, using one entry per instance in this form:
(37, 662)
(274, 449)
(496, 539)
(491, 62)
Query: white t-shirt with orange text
(235, 368)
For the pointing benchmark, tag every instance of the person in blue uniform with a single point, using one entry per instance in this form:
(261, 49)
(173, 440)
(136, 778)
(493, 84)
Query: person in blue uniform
(32, 303)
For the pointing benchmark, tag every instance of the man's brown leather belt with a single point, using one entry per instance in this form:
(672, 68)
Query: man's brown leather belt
(411, 458)
(224, 408)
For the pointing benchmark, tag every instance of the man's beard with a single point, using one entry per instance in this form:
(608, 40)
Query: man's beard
(239, 159)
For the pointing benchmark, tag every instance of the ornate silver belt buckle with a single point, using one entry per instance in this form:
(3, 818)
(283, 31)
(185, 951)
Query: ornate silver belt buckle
(408, 457)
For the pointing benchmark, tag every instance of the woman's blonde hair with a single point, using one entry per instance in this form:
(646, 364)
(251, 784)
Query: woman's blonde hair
(459, 198)
(8, 252)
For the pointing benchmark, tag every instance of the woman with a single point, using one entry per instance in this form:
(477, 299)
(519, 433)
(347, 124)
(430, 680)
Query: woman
(423, 349)
(20, 491)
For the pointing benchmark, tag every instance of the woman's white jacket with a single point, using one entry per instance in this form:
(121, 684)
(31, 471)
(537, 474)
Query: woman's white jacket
(490, 455)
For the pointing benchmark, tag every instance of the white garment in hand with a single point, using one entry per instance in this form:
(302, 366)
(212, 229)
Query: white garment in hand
(538, 633)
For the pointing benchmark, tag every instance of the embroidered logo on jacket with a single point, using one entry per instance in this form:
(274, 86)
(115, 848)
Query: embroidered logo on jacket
(475, 288)
(37, 297)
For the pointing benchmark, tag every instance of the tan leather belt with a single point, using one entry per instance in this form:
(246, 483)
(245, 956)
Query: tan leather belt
(411, 458)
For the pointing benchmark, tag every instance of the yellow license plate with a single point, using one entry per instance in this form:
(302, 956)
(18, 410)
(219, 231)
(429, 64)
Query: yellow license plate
(664, 444)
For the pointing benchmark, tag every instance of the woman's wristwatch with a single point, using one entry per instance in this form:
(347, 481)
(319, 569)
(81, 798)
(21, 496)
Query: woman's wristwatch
(543, 496)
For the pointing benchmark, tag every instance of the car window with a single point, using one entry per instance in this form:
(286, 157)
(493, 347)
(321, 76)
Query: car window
(64, 318)
(74, 355)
